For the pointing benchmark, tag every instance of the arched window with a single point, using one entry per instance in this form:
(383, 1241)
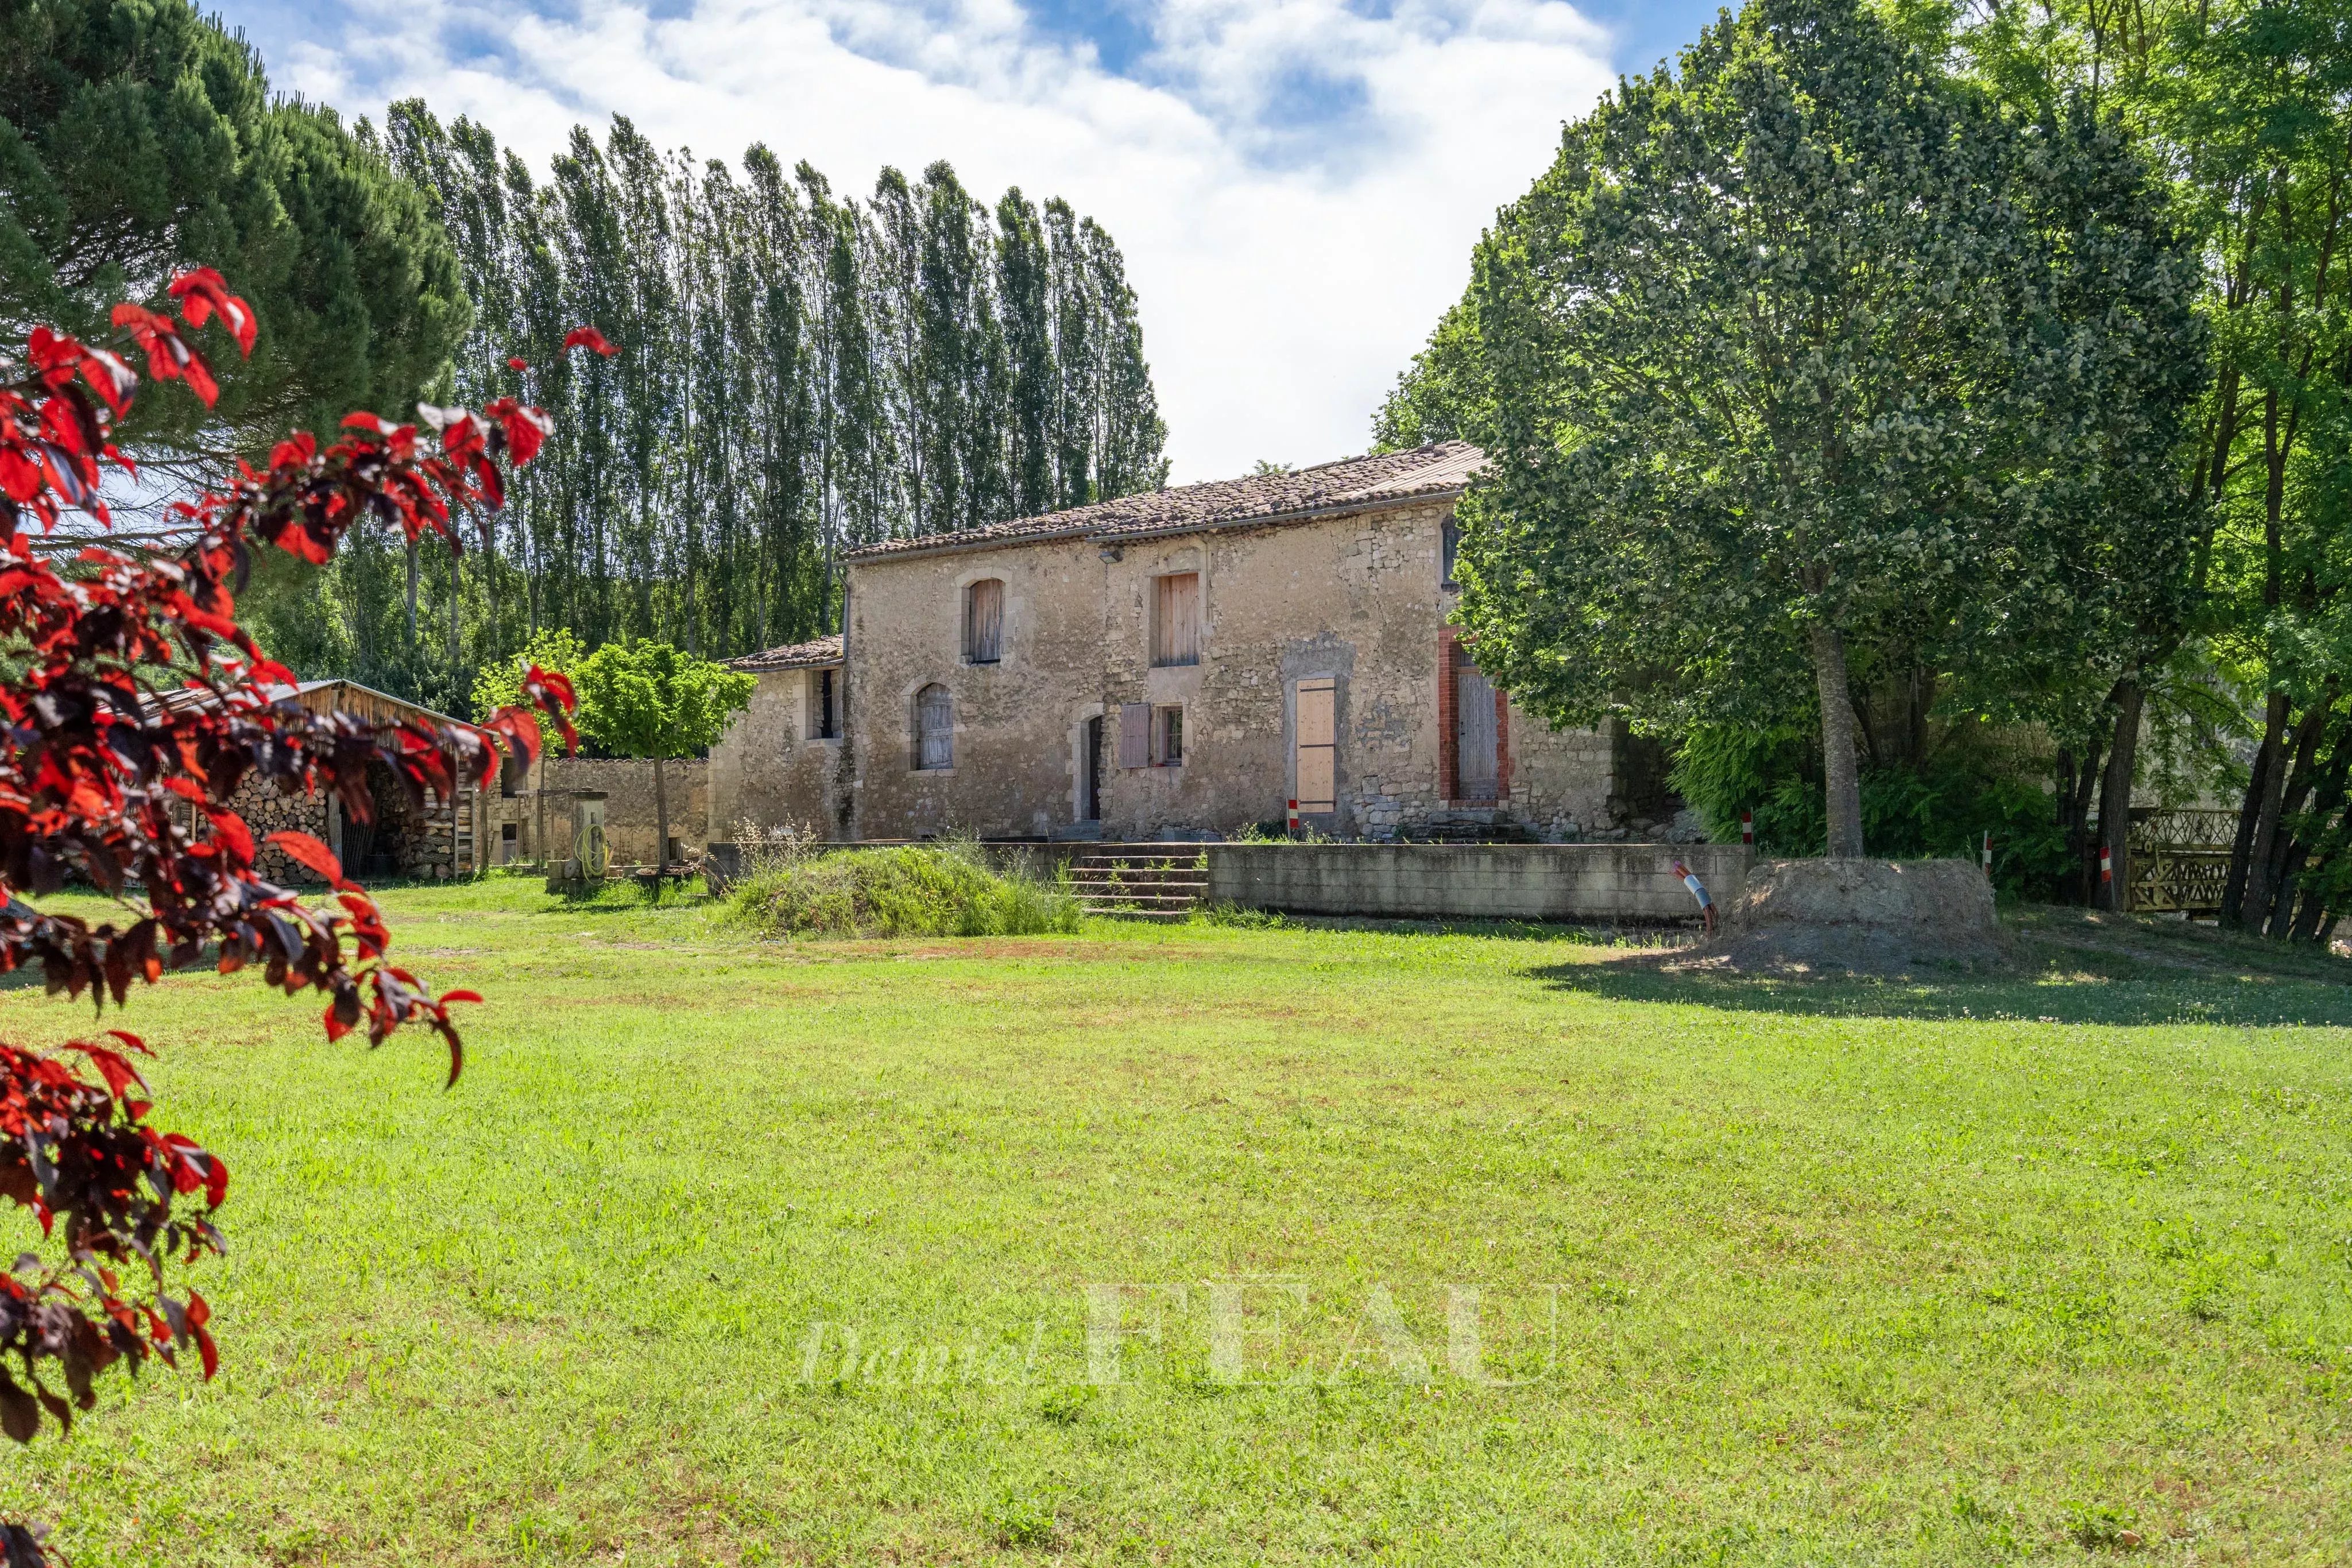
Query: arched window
(983, 621)
(934, 729)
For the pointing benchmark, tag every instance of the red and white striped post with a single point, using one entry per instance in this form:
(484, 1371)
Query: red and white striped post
(1293, 819)
(1748, 829)
(2106, 866)
(1988, 853)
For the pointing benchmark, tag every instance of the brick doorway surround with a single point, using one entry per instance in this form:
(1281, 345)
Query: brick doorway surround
(1452, 652)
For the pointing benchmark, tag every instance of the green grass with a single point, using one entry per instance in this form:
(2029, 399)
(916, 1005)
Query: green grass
(1979, 1272)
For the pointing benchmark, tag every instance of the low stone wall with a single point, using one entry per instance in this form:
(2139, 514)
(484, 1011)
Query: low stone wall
(627, 785)
(1492, 881)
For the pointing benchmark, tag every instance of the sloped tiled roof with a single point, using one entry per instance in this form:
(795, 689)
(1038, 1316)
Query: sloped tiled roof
(1382, 479)
(793, 656)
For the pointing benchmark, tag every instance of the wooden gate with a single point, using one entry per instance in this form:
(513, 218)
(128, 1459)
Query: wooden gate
(2179, 860)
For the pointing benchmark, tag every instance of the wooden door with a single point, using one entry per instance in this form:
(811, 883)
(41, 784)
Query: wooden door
(1477, 760)
(1318, 744)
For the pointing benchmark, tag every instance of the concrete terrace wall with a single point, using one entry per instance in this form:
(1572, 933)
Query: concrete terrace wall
(1501, 881)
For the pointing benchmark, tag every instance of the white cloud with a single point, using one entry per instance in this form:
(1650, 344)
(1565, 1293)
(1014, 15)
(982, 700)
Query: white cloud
(1289, 259)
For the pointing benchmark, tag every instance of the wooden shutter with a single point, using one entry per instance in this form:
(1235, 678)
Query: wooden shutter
(1317, 750)
(934, 729)
(1135, 734)
(1176, 618)
(983, 620)
(1476, 754)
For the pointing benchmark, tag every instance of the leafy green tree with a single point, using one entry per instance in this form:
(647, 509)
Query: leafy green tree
(500, 686)
(137, 138)
(2248, 103)
(1776, 364)
(648, 699)
(1441, 395)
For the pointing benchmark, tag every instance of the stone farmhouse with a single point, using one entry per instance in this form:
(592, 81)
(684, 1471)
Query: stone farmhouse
(1180, 664)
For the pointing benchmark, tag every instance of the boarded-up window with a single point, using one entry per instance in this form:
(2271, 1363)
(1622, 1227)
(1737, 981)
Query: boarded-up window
(934, 729)
(1176, 618)
(1168, 737)
(1135, 734)
(1476, 752)
(983, 621)
(1318, 744)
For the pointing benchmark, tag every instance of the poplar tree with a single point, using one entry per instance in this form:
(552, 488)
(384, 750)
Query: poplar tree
(799, 373)
(1022, 267)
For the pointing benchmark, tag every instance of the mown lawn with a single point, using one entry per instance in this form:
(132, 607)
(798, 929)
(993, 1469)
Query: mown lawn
(1969, 1272)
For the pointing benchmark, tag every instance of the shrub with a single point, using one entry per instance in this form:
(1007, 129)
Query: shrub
(908, 892)
(1939, 809)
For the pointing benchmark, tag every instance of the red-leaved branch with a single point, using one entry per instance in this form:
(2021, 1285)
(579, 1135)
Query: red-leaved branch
(140, 709)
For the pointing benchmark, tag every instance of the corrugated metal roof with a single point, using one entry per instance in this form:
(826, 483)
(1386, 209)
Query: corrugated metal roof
(1380, 479)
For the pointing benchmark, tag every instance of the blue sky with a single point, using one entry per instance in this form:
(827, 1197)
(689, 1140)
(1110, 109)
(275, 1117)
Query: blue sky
(1297, 183)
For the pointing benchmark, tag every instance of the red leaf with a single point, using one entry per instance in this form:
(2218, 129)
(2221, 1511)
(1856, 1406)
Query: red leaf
(588, 337)
(448, 996)
(204, 291)
(307, 851)
(119, 1074)
(230, 832)
(518, 363)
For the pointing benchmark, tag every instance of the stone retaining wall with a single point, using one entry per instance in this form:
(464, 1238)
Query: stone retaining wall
(1495, 882)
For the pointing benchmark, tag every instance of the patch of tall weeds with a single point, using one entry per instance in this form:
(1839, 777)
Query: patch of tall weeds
(943, 890)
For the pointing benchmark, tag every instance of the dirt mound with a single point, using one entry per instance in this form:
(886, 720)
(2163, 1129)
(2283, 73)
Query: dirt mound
(1867, 915)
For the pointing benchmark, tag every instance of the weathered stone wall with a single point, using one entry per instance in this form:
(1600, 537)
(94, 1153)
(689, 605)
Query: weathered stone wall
(1561, 780)
(1016, 722)
(1496, 882)
(1356, 597)
(771, 770)
(629, 816)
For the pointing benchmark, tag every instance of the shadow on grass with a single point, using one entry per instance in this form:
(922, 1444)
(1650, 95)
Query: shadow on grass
(2072, 968)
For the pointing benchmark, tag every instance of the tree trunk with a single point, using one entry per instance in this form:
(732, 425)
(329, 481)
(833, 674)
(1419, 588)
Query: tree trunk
(2255, 902)
(457, 691)
(2266, 762)
(2269, 912)
(1842, 784)
(2077, 787)
(661, 818)
(2312, 847)
(2115, 792)
(411, 649)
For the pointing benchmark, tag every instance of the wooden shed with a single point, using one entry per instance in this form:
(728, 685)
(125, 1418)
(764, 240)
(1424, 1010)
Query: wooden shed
(443, 839)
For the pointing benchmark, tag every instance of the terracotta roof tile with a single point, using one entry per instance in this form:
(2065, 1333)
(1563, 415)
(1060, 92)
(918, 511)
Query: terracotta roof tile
(1443, 469)
(793, 656)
